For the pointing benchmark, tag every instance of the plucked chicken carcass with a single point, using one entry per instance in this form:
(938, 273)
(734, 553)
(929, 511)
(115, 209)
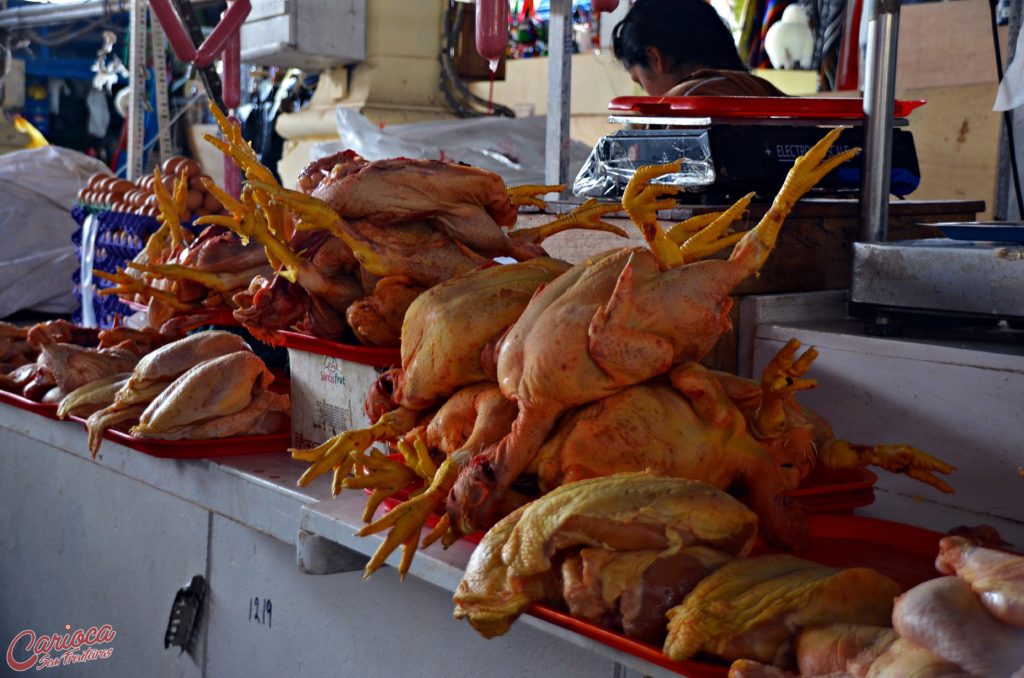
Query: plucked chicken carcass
(959, 626)
(151, 376)
(15, 350)
(447, 332)
(619, 320)
(752, 608)
(220, 397)
(519, 560)
(410, 224)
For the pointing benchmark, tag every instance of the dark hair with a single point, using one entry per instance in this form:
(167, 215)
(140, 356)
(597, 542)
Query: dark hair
(686, 32)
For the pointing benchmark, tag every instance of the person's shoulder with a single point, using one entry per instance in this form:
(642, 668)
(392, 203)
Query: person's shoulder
(715, 82)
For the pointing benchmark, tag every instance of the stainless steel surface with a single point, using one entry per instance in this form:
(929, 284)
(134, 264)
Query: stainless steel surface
(879, 94)
(942, 275)
(311, 34)
(556, 161)
(706, 121)
(27, 16)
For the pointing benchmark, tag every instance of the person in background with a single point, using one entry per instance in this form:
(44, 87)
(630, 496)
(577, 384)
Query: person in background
(683, 48)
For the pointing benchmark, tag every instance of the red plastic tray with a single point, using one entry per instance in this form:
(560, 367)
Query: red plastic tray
(905, 553)
(756, 107)
(48, 410)
(367, 355)
(197, 449)
(828, 491)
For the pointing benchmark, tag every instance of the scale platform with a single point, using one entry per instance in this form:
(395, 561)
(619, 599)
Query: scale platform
(734, 145)
(941, 280)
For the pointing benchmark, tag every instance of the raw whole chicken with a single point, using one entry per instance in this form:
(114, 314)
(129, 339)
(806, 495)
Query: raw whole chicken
(753, 608)
(995, 576)
(221, 397)
(151, 376)
(518, 561)
(446, 334)
(615, 321)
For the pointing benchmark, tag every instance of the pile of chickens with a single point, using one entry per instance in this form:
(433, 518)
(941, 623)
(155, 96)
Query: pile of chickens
(49, 360)
(666, 561)
(207, 385)
(517, 379)
(341, 259)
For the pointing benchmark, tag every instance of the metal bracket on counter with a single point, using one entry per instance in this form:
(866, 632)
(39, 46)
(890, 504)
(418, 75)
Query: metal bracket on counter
(317, 555)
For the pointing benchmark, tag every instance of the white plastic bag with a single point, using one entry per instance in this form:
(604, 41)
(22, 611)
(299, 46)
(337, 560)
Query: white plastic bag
(37, 258)
(510, 147)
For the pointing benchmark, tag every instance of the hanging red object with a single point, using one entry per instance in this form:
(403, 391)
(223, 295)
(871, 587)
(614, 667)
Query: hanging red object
(604, 5)
(491, 29)
(848, 69)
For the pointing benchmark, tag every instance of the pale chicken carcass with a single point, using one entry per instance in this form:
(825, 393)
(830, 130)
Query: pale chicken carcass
(152, 375)
(946, 618)
(995, 576)
(221, 397)
(518, 561)
(619, 320)
(753, 608)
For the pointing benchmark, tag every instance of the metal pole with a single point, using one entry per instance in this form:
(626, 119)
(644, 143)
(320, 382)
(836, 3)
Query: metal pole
(137, 78)
(556, 160)
(879, 93)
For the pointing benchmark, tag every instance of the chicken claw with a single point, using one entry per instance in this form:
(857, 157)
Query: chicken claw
(910, 461)
(642, 200)
(528, 194)
(711, 238)
(382, 475)
(587, 216)
(408, 518)
(336, 452)
(126, 284)
(238, 149)
(417, 457)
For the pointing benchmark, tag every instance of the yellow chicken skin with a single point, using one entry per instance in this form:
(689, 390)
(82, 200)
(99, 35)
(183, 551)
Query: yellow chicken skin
(516, 562)
(753, 608)
(215, 388)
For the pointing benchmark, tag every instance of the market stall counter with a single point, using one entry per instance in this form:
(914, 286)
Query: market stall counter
(242, 524)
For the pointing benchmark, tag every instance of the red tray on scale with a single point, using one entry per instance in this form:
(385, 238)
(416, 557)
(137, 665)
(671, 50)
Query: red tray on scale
(902, 552)
(805, 108)
(48, 410)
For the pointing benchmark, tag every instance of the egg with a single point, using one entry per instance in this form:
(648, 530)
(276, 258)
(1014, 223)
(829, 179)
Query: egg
(194, 200)
(94, 179)
(195, 183)
(121, 186)
(190, 166)
(170, 167)
(211, 204)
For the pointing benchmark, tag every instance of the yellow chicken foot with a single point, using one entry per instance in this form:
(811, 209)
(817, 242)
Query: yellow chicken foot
(336, 452)
(229, 202)
(711, 238)
(253, 225)
(213, 281)
(238, 149)
(382, 475)
(170, 206)
(587, 216)
(417, 457)
(684, 229)
(642, 200)
(126, 284)
(780, 379)
(910, 461)
(315, 214)
(529, 194)
(807, 171)
(408, 518)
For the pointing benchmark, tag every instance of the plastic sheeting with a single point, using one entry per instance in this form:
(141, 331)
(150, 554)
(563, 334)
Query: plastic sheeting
(37, 258)
(617, 156)
(510, 147)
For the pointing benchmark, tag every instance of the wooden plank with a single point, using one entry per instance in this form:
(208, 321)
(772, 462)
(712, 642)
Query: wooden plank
(945, 43)
(957, 139)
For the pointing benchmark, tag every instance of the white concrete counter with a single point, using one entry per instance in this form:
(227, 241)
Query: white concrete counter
(111, 541)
